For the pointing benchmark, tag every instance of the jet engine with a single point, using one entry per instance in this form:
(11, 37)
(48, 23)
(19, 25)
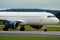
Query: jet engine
(12, 25)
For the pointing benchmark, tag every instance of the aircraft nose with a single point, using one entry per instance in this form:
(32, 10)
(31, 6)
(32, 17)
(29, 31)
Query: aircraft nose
(57, 21)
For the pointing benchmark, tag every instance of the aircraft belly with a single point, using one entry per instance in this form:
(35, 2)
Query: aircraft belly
(36, 22)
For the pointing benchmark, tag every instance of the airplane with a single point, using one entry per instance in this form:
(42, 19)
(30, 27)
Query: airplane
(34, 19)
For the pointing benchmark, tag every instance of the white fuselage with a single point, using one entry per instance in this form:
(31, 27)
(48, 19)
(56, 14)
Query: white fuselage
(35, 18)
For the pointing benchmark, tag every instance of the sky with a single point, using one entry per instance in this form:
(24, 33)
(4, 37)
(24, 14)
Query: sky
(37, 4)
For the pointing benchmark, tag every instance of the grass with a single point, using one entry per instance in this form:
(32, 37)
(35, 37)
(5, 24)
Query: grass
(53, 28)
(29, 38)
(28, 28)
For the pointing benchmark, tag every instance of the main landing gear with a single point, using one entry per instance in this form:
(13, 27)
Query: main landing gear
(22, 28)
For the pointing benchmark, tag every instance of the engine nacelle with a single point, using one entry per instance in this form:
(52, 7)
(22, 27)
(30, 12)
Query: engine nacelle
(36, 26)
(12, 25)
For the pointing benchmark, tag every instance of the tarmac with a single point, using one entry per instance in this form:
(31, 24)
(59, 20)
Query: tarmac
(23, 34)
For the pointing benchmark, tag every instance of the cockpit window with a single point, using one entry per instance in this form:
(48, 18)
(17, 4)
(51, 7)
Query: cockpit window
(50, 16)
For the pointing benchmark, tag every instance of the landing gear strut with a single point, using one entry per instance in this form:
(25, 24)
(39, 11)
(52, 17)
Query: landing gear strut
(45, 28)
(22, 28)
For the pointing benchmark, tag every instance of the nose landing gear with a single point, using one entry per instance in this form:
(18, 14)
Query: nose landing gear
(45, 28)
